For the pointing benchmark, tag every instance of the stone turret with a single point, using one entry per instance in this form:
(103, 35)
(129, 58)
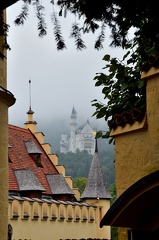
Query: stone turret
(95, 187)
(96, 191)
(73, 126)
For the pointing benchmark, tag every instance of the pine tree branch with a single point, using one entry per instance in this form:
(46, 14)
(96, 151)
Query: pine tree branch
(57, 32)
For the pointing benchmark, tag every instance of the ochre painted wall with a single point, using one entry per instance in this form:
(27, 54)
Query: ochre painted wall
(64, 225)
(3, 148)
(137, 146)
(137, 151)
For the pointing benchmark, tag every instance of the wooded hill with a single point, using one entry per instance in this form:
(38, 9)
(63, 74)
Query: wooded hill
(78, 164)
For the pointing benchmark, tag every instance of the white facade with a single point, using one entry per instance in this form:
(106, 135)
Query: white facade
(81, 138)
(64, 143)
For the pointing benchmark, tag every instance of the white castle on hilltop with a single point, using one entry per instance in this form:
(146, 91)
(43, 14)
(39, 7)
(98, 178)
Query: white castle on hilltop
(81, 138)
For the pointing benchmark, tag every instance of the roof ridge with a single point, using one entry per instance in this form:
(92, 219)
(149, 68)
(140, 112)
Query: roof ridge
(17, 128)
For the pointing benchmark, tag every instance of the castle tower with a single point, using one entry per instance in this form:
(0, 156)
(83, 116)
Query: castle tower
(73, 127)
(64, 143)
(96, 192)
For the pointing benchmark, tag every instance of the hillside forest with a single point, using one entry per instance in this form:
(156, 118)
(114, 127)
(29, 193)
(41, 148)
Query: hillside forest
(78, 164)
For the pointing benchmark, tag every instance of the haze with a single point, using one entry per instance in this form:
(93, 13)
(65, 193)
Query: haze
(59, 79)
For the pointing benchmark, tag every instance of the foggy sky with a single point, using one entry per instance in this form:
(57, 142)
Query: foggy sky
(59, 79)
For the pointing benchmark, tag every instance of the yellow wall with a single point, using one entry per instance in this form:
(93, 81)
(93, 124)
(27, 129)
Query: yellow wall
(3, 169)
(102, 207)
(137, 146)
(136, 151)
(39, 136)
(5, 102)
(69, 181)
(46, 147)
(31, 126)
(61, 169)
(77, 193)
(69, 227)
(54, 158)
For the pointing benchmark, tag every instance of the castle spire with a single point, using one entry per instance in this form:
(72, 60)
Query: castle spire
(95, 187)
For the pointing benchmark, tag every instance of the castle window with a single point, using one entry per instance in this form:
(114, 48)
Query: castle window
(34, 152)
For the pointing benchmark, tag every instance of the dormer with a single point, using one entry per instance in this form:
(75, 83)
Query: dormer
(34, 152)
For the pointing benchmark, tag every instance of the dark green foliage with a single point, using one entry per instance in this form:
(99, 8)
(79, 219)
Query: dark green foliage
(80, 183)
(78, 164)
(40, 16)
(39, 10)
(23, 15)
(119, 16)
(76, 34)
(113, 193)
(123, 89)
(57, 32)
(114, 233)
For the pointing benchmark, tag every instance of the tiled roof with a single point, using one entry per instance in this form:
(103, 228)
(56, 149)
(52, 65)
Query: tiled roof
(58, 185)
(22, 165)
(95, 187)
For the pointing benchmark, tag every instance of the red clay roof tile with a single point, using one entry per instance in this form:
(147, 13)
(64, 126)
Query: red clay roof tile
(20, 159)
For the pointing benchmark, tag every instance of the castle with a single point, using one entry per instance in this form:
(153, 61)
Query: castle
(42, 202)
(80, 138)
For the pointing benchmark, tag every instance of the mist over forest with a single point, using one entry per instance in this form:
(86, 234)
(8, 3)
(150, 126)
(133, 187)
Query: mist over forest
(78, 164)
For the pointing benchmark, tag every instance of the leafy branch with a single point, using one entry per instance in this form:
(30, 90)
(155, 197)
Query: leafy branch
(57, 32)
(122, 88)
(98, 44)
(75, 33)
(23, 15)
(41, 20)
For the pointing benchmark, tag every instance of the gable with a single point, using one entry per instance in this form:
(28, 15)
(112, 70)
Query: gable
(87, 129)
